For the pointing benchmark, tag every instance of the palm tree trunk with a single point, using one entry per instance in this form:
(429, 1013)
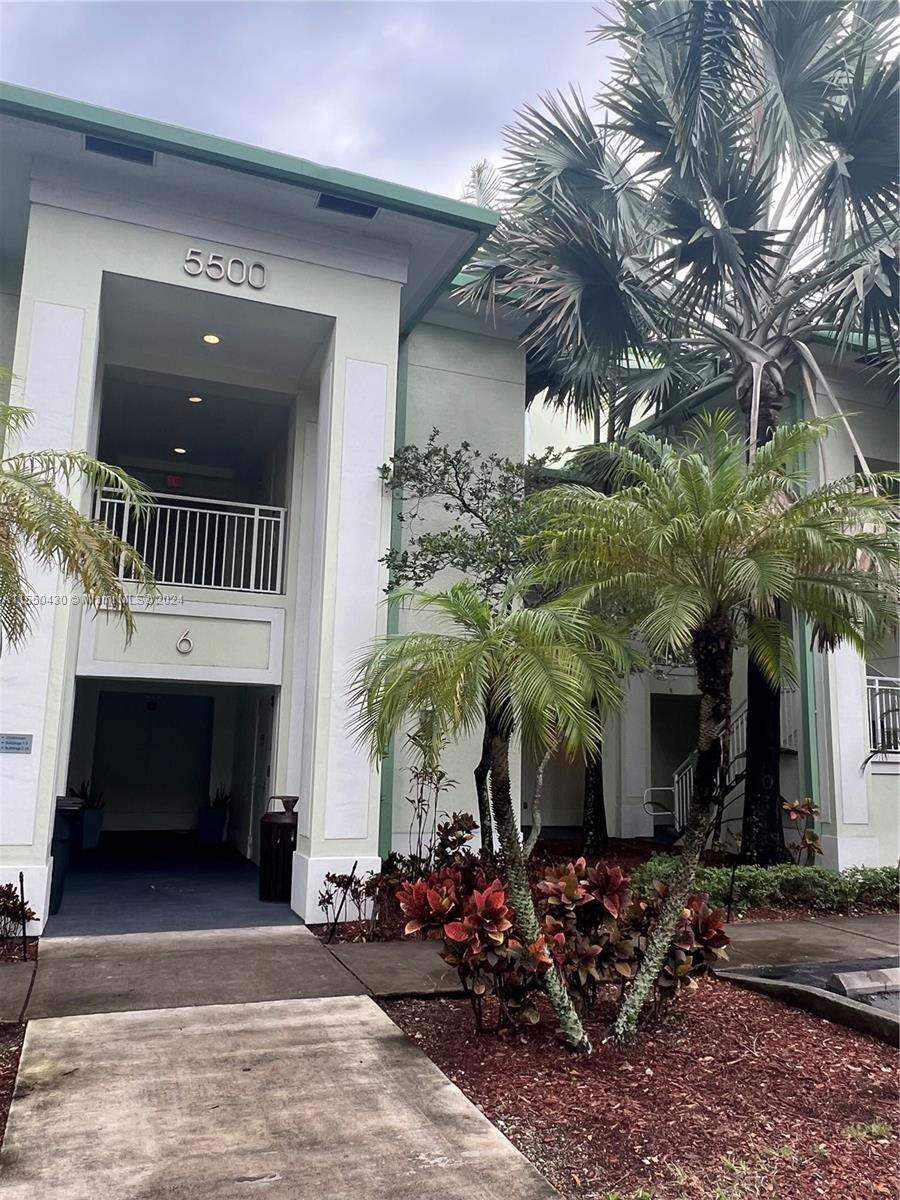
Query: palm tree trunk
(520, 891)
(762, 833)
(713, 650)
(481, 790)
(595, 830)
(762, 830)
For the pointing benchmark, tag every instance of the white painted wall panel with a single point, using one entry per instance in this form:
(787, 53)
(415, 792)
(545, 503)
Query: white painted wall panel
(356, 595)
(51, 383)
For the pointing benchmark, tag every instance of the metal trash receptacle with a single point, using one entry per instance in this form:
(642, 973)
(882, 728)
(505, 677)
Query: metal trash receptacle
(60, 849)
(277, 842)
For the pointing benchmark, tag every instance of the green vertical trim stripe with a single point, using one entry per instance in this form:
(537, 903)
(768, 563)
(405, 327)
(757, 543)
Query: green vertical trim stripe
(811, 781)
(386, 806)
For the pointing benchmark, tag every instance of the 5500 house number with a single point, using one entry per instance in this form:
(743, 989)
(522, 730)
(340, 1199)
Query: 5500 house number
(216, 266)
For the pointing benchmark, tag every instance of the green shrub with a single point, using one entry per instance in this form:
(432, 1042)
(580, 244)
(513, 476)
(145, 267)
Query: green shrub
(875, 886)
(786, 886)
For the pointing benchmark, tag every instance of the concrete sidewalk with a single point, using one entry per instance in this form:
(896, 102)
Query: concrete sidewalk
(127, 972)
(824, 939)
(388, 970)
(295, 1100)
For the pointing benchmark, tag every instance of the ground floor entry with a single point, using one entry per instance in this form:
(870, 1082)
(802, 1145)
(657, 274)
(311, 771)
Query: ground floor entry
(161, 882)
(171, 780)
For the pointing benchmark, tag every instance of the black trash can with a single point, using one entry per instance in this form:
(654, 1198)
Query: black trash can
(60, 848)
(277, 842)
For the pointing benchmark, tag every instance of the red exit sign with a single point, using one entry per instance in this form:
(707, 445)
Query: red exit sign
(174, 481)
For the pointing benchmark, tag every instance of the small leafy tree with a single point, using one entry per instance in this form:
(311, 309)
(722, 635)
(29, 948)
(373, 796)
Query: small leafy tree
(702, 545)
(39, 520)
(462, 511)
(527, 672)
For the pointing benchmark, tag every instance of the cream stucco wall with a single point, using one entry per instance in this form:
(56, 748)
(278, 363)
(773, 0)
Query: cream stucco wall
(56, 357)
(470, 386)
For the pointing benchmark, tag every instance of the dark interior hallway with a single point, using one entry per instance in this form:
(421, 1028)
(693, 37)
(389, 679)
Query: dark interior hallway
(159, 882)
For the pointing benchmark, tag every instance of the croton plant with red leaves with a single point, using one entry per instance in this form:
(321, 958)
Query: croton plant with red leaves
(594, 935)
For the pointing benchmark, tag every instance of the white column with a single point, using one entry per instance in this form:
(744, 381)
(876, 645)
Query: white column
(852, 842)
(635, 725)
(338, 820)
(31, 677)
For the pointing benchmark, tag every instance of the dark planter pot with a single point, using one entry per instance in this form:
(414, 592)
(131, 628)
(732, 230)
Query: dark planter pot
(91, 824)
(211, 825)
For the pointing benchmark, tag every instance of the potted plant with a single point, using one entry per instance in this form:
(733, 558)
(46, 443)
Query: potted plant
(212, 817)
(91, 804)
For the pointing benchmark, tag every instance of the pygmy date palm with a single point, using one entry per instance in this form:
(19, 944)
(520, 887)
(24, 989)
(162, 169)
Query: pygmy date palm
(39, 521)
(702, 546)
(544, 674)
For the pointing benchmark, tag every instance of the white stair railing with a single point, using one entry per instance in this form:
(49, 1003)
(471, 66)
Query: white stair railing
(190, 541)
(683, 779)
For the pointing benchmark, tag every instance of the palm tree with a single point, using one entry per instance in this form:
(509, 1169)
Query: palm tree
(527, 672)
(703, 544)
(734, 202)
(38, 520)
(484, 186)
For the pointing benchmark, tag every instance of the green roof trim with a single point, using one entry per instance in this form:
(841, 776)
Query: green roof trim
(76, 115)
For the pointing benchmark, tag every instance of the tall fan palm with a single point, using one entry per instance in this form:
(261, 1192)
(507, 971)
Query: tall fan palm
(38, 520)
(543, 674)
(734, 201)
(703, 546)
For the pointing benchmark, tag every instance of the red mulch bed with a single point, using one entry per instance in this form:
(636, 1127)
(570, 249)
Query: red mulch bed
(11, 950)
(733, 1097)
(10, 1049)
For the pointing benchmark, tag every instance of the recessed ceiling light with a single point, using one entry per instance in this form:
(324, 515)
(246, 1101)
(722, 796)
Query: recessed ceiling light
(211, 339)
(180, 450)
(195, 399)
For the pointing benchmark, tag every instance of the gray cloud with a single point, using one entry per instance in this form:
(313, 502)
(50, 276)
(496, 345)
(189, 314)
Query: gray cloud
(413, 92)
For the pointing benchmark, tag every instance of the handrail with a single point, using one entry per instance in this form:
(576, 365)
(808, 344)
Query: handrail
(160, 500)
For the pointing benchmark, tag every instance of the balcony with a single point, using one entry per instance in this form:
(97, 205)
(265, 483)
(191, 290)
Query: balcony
(190, 541)
(884, 714)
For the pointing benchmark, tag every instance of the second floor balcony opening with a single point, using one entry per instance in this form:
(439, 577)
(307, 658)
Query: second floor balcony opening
(214, 460)
(207, 426)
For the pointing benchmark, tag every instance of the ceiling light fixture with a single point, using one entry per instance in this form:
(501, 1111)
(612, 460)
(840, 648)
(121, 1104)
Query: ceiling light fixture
(180, 450)
(211, 339)
(195, 399)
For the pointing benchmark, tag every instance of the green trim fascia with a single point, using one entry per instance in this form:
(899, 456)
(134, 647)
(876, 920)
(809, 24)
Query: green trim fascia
(46, 109)
(444, 287)
(386, 799)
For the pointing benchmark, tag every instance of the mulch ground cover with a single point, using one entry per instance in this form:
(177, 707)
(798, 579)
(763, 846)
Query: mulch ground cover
(10, 1049)
(11, 949)
(733, 1096)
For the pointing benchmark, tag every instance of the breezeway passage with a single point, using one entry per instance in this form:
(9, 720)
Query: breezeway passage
(317, 1098)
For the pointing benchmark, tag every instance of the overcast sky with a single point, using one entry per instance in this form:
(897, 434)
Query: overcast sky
(411, 92)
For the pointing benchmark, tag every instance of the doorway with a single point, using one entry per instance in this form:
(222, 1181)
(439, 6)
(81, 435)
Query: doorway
(152, 759)
(156, 753)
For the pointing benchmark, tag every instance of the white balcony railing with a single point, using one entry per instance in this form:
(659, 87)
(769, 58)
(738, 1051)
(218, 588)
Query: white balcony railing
(191, 541)
(884, 714)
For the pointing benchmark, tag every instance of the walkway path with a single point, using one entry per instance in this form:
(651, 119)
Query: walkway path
(291, 1100)
(225, 1064)
(825, 939)
(413, 968)
(135, 971)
